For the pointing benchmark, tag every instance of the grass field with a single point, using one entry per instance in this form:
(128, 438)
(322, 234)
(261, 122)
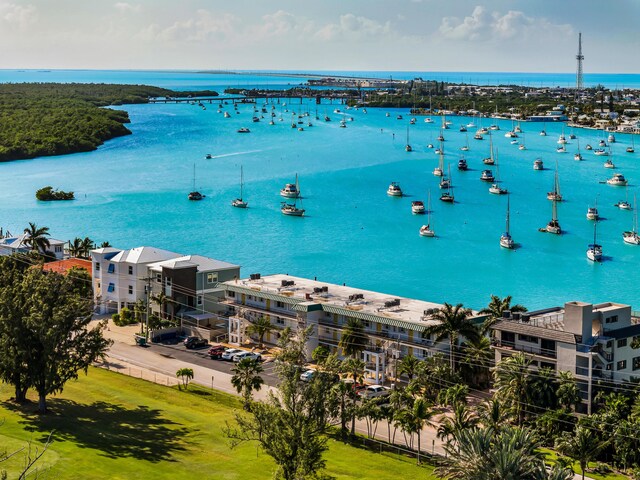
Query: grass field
(107, 425)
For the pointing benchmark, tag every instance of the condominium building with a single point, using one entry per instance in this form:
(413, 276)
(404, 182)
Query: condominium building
(593, 342)
(393, 325)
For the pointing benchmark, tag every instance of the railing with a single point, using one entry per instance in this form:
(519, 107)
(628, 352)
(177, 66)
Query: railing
(544, 352)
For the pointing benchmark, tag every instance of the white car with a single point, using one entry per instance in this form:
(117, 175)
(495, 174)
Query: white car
(230, 352)
(307, 375)
(373, 391)
(251, 355)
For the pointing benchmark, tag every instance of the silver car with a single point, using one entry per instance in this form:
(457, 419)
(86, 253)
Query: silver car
(251, 355)
(230, 352)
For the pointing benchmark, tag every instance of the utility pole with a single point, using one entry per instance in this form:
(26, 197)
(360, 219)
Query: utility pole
(147, 289)
(579, 77)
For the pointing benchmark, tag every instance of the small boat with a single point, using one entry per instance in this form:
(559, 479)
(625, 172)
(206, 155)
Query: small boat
(469, 125)
(291, 209)
(631, 237)
(494, 127)
(227, 115)
(522, 146)
(538, 164)
(631, 148)
(517, 128)
(511, 134)
(438, 151)
(465, 147)
(426, 230)
(195, 195)
(417, 207)
(609, 164)
(617, 180)
(463, 128)
(428, 120)
(327, 118)
(301, 129)
(272, 122)
(602, 143)
(592, 212)
(555, 195)
(430, 145)
(505, 239)
(244, 130)
(394, 190)
(439, 170)
(440, 137)
(495, 188)
(255, 119)
(514, 142)
(612, 138)
(553, 226)
(399, 117)
(543, 133)
(412, 121)
(447, 196)
(343, 123)
(578, 156)
(594, 251)
(601, 152)
(408, 145)
(483, 130)
(239, 202)
(445, 183)
(462, 164)
(562, 140)
(208, 156)
(337, 110)
(387, 114)
(588, 147)
(478, 136)
(489, 160)
(561, 149)
(291, 190)
(487, 176)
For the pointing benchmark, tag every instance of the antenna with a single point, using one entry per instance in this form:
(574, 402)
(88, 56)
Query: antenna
(579, 58)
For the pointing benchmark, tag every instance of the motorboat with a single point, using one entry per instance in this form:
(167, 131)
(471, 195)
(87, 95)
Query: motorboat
(462, 164)
(538, 164)
(327, 118)
(291, 209)
(494, 127)
(394, 190)
(511, 134)
(417, 207)
(497, 190)
(399, 117)
(592, 213)
(505, 239)
(447, 196)
(470, 125)
(337, 110)
(255, 119)
(617, 180)
(291, 190)
(244, 130)
(428, 120)
(208, 156)
(601, 152)
(487, 176)
(343, 124)
(478, 136)
(609, 164)
(514, 142)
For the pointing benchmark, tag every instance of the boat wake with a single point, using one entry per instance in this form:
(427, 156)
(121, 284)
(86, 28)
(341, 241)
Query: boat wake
(234, 154)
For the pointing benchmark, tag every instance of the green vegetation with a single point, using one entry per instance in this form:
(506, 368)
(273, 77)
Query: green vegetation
(107, 425)
(47, 194)
(38, 119)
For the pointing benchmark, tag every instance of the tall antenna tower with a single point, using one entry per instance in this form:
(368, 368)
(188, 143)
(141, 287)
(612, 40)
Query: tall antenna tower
(579, 58)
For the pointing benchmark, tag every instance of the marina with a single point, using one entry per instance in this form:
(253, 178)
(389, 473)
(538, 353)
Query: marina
(132, 190)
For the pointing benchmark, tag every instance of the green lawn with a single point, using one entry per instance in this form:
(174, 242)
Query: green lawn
(551, 457)
(107, 425)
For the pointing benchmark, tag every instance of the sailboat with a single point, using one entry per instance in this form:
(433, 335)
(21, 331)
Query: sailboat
(489, 160)
(195, 195)
(592, 212)
(578, 156)
(594, 251)
(624, 204)
(439, 170)
(429, 119)
(426, 230)
(239, 202)
(292, 209)
(408, 146)
(632, 237)
(556, 196)
(553, 226)
(495, 187)
(521, 146)
(632, 148)
(465, 148)
(448, 195)
(505, 239)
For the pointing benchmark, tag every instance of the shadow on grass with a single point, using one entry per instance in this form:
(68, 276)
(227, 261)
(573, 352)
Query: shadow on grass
(112, 429)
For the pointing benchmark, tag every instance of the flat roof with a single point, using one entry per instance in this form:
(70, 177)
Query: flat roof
(340, 299)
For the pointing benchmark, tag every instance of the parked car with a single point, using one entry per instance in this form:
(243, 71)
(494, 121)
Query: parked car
(216, 352)
(307, 375)
(230, 352)
(357, 387)
(195, 342)
(373, 391)
(251, 355)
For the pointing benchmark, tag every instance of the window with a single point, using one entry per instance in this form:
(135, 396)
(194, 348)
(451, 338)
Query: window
(212, 277)
(621, 365)
(527, 338)
(97, 266)
(622, 342)
(279, 321)
(199, 299)
(168, 281)
(611, 319)
(130, 289)
(158, 277)
(112, 268)
(231, 294)
(552, 366)
(279, 304)
(111, 287)
(58, 249)
(130, 269)
(636, 363)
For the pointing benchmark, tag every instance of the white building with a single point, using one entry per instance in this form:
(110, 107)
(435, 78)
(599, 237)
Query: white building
(593, 342)
(393, 325)
(11, 245)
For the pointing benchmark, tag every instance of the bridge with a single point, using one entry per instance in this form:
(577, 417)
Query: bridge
(275, 98)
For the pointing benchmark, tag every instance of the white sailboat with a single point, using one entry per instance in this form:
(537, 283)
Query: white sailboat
(465, 148)
(291, 209)
(194, 194)
(489, 160)
(522, 146)
(239, 202)
(495, 188)
(578, 155)
(632, 148)
(553, 226)
(624, 204)
(447, 196)
(594, 250)
(505, 239)
(439, 170)
(408, 145)
(426, 230)
(555, 195)
(631, 237)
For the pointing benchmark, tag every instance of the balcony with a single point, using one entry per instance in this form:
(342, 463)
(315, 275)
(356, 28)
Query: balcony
(541, 352)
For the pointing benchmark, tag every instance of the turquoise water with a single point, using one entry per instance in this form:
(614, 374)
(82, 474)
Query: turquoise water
(132, 191)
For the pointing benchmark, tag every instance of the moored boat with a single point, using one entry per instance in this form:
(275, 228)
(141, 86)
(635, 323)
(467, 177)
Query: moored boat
(291, 190)
(506, 241)
(538, 164)
(417, 207)
(617, 180)
(394, 190)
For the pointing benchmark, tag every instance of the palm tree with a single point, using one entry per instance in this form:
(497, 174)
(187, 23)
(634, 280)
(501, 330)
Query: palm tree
(415, 419)
(478, 359)
(162, 300)
(355, 368)
(581, 445)
(495, 309)
(261, 326)
(105, 245)
(87, 246)
(513, 383)
(543, 388)
(37, 238)
(454, 395)
(246, 378)
(453, 322)
(409, 366)
(75, 247)
(463, 419)
(185, 374)
(493, 414)
(353, 339)
(567, 393)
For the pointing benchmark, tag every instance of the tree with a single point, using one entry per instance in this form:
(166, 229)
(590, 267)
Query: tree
(105, 245)
(261, 326)
(353, 339)
(454, 395)
(55, 325)
(462, 419)
(246, 378)
(414, 419)
(162, 300)
(567, 393)
(497, 306)
(355, 368)
(290, 424)
(87, 246)
(408, 366)
(478, 359)
(37, 238)
(493, 414)
(453, 323)
(543, 389)
(185, 375)
(75, 247)
(513, 383)
(581, 445)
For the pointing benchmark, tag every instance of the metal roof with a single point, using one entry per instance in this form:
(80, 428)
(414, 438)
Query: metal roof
(525, 329)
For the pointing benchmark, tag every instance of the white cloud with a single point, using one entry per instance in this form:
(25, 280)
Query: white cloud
(353, 27)
(17, 15)
(124, 7)
(283, 23)
(203, 26)
(482, 25)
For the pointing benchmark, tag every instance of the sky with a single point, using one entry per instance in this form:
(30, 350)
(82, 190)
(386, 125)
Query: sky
(351, 35)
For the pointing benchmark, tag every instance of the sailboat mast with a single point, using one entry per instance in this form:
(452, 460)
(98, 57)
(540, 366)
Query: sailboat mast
(554, 211)
(241, 181)
(429, 209)
(194, 177)
(507, 214)
(441, 161)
